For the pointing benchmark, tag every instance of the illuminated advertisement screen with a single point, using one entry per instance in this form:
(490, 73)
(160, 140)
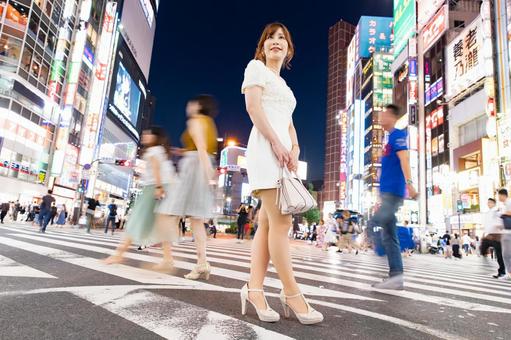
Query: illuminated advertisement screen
(404, 14)
(375, 34)
(127, 95)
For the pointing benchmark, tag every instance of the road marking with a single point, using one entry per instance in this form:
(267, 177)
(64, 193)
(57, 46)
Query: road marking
(104, 296)
(11, 268)
(308, 290)
(96, 264)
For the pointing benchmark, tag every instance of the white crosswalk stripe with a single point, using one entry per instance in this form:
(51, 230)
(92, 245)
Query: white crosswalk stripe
(328, 279)
(9, 267)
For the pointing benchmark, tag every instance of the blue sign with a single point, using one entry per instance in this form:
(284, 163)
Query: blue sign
(412, 68)
(374, 35)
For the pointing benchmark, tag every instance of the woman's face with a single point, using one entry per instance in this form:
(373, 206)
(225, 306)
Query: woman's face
(148, 138)
(276, 46)
(192, 109)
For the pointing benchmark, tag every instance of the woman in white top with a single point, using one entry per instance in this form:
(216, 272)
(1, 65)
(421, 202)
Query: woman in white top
(273, 144)
(157, 180)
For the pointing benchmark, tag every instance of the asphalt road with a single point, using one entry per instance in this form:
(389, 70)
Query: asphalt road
(54, 286)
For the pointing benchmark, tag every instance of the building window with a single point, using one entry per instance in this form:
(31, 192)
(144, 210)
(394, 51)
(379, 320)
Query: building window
(10, 49)
(473, 130)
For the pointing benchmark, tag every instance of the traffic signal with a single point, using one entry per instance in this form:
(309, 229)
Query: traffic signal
(122, 162)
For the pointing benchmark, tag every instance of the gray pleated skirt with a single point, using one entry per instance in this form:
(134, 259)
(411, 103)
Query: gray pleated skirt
(192, 195)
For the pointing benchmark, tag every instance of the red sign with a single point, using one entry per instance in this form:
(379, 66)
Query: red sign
(435, 28)
(490, 108)
(413, 91)
(436, 118)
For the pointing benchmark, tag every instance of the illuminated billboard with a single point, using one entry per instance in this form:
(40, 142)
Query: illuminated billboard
(138, 29)
(404, 23)
(374, 35)
(126, 95)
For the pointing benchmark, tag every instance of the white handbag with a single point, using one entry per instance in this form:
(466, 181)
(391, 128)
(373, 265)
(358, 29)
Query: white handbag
(292, 196)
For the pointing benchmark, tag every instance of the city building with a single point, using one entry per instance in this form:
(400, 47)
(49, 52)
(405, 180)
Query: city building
(339, 36)
(368, 90)
(41, 44)
(405, 94)
(73, 89)
(435, 33)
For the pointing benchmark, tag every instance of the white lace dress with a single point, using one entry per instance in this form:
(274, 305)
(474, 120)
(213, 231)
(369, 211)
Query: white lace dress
(278, 103)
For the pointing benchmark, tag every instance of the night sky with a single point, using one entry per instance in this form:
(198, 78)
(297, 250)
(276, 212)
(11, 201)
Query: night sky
(204, 46)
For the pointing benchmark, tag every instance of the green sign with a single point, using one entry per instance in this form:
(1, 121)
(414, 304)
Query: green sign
(404, 23)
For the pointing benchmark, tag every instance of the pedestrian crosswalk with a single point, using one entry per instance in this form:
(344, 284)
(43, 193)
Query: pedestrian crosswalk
(340, 284)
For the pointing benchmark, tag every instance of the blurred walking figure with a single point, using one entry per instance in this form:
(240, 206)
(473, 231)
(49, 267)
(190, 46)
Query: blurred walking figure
(61, 220)
(466, 243)
(92, 204)
(47, 203)
(273, 144)
(320, 239)
(395, 180)
(146, 222)
(194, 191)
(492, 236)
(4, 210)
(456, 246)
(242, 220)
(506, 232)
(16, 210)
(112, 216)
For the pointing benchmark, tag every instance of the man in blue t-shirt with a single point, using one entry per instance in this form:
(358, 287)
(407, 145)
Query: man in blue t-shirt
(395, 180)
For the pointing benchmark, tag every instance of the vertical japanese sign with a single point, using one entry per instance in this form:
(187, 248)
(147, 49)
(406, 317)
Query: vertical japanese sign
(100, 72)
(73, 72)
(465, 59)
(404, 23)
(343, 168)
(375, 34)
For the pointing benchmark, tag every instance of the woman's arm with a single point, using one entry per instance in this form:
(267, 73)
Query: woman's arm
(253, 97)
(295, 150)
(155, 165)
(198, 136)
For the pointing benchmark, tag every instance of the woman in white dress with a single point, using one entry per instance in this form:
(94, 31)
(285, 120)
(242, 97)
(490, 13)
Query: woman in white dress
(273, 144)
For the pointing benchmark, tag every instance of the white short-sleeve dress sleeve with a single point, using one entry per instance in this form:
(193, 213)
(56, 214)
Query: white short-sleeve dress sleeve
(278, 103)
(255, 75)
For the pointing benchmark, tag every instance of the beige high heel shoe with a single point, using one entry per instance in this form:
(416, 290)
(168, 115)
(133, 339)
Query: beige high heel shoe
(266, 315)
(311, 317)
(200, 271)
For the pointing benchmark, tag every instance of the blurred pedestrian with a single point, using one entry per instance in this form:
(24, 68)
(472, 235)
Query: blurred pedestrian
(212, 228)
(16, 210)
(90, 213)
(320, 240)
(456, 246)
(492, 236)
(61, 220)
(506, 232)
(112, 216)
(273, 145)
(47, 203)
(195, 188)
(4, 210)
(466, 243)
(53, 214)
(242, 220)
(395, 181)
(147, 222)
